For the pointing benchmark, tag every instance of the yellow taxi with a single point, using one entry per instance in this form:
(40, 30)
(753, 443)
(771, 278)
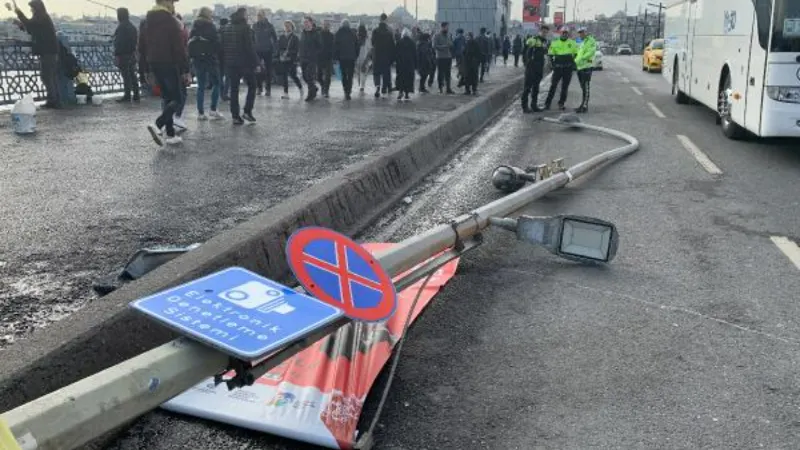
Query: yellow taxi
(653, 56)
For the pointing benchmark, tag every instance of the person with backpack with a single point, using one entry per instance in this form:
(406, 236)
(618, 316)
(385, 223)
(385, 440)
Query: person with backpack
(44, 45)
(125, 39)
(204, 51)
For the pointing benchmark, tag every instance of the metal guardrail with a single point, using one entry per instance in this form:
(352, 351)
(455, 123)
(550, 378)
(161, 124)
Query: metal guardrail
(19, 69)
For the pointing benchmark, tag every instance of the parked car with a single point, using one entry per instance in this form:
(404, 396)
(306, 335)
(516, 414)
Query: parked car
(652, 58)
(624, 49)
(598, 60)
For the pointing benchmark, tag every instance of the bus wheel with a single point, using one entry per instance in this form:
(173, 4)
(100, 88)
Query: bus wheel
(725, 107)
(680, 97)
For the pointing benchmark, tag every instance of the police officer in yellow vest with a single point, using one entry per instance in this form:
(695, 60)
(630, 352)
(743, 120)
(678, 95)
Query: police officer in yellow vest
(562, 54)
(535, 52)
(584, 61)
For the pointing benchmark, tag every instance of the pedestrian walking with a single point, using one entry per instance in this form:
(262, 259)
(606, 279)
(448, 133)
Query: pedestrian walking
(406, 66)
(310, 48)
(204, 49)
(266, 41)
(179, 122)
(497, 47)
(325, 64)
(459, 43)
(536, 47)
(226, 82)
(443, 45)
(486, 52)
(506, 49)
(424, 62)
(288, 50)
(364, 61)
(44, 44)
(161, 46)
(473, 60)
(346, 51)
(563, 52)
(584, 62)
(383, 48)
(516, 49)
(125, 39)
(241, 63)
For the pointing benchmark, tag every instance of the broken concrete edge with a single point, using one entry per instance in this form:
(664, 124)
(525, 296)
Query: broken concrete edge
(107, 332)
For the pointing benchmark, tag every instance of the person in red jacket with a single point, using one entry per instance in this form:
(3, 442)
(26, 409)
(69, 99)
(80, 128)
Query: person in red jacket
(162, 46)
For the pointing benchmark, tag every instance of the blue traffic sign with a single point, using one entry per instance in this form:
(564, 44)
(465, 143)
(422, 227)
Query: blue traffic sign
(238, 312)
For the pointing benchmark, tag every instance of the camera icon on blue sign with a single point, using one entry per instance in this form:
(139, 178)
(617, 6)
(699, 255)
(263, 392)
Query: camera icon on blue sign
(251, 295)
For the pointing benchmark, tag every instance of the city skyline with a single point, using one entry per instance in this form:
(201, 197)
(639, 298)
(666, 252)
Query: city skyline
(586, 9)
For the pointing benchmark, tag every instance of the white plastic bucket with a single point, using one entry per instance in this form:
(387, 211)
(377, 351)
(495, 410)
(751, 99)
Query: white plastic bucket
(24, 123)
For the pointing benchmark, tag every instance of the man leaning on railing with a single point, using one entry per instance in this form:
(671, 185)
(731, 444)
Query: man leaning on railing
(44, 45)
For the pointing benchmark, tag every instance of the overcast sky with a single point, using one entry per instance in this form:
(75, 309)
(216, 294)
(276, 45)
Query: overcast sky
(427, 8)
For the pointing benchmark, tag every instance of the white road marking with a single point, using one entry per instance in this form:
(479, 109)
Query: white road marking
(701, 157)
(626, 80)
(656, 111)
(789, 248)
(635, 89)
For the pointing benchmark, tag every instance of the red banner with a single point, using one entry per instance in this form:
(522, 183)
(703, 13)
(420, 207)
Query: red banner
(531, 11)
(317, 395)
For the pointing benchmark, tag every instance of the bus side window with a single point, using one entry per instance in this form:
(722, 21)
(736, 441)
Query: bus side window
(763, 19)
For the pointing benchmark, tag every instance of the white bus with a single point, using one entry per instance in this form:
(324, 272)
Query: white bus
(740, 58)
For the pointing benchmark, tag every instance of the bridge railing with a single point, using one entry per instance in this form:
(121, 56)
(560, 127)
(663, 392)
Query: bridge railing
(19, 69)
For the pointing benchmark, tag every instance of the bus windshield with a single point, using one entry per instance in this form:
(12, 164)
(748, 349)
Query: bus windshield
(658, 45)
(786, 30)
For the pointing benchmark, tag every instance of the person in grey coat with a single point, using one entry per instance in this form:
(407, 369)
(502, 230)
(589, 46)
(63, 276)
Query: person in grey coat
(443, 45)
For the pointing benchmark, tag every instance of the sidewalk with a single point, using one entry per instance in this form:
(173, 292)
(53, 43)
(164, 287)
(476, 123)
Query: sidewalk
(91, 187)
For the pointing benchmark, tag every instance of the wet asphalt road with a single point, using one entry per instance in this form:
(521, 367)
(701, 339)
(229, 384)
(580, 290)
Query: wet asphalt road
(688, 340)
(91, 187)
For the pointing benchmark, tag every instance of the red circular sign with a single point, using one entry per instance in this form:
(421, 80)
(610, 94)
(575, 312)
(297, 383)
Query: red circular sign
(336, 270)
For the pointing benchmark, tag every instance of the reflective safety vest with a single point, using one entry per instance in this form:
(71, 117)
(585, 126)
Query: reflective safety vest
(585, 57)
(563, 52)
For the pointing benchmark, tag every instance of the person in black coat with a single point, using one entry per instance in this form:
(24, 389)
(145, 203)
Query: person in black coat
(383, 48)
(288, 51)
(44, 45)
(345, 50)
(125, 38)
(325, 65)
(516, 49)
(473, 60)
(310, 49)
(204, 50)
(406, 65)
(241, 62)
(424, 62)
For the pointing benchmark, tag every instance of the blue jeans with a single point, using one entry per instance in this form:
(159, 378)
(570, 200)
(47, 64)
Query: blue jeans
(207, 73)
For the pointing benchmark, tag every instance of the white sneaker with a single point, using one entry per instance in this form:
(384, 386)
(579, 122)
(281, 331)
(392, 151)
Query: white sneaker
(215, 115)
(174, 140)
(202, 117)
(155, 133)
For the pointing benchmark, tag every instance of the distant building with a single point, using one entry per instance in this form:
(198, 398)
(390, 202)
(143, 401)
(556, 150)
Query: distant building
(472, 15)
(87, 30)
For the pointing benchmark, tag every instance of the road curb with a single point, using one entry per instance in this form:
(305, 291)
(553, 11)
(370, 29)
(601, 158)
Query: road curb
(106, 332)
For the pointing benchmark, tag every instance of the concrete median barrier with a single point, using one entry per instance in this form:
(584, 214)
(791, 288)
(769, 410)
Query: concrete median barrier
(105, 332)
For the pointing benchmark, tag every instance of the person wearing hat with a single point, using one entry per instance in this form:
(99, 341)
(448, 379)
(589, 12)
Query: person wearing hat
(584, 61)
(44, 45)
(562, 53)
(536, 50)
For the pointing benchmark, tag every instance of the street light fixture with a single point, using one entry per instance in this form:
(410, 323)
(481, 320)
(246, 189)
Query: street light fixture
(577, 238)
